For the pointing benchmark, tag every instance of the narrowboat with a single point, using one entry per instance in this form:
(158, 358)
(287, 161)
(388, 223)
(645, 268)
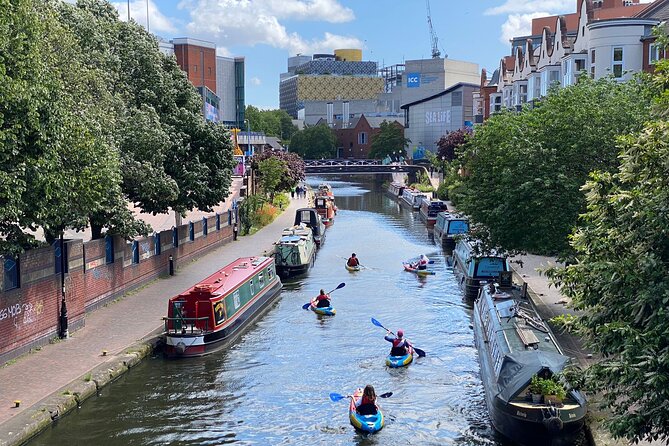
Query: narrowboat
(324, 189)
(429, 209)
(447, 227)
(514, 345)
(295, 251)
(310, 218)
(471, 268)
(326, 209)
(213, 313)
(395, 189)
(412, 198)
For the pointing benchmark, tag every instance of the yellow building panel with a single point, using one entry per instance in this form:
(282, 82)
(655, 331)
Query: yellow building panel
(332, 88)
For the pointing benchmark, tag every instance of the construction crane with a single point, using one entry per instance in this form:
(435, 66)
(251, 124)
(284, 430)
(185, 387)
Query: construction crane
(433, 36)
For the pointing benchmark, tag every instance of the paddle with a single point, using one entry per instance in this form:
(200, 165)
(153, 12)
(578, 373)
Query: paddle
(341, 285)
(421, 353)
(337, 396)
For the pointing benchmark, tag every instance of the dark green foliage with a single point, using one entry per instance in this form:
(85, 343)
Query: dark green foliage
(314, 142)
(450, 143)
(523, 171)
(390, 141)
(294, 167)
(276, 123)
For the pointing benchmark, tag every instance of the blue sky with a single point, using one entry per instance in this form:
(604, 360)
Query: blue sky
(267, 32)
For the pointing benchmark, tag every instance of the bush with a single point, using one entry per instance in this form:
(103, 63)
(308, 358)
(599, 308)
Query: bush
(422, 187)
(442, 191)
(264, 216)
(281, 201)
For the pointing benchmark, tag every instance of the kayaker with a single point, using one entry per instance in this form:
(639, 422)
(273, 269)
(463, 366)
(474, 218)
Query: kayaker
(367, 404)
(323, 300)
(400, 345)
(353, 261)
(422, 262)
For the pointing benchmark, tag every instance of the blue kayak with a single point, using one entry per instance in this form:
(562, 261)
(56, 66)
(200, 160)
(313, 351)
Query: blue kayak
(325, 311)
(364, 423)
(400, 361)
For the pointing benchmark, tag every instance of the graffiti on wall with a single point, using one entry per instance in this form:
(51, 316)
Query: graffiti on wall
(22, 314)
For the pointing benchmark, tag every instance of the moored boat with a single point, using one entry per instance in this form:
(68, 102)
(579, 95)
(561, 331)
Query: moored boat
(364, 423)
(323, 311)
(428, 210)
(447, 227)
(419, 272)
(471, 268)
(515, 345)
(395, 189)
(324, 189)
(310, 218)
(213, 313)
(326, 209)
(412, 198)
(295, 251)
(400, 361)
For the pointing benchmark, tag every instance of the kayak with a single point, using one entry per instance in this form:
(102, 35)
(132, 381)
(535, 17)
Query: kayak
(420, 272)
(364, 423)
(352, 268)
(325, 311)
(400, 361)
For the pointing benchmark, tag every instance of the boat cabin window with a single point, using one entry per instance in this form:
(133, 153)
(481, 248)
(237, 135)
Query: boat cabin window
(261, 280)
(458, 227)
(251, 287)
(489, 267)
(270, 273)
(219, 312)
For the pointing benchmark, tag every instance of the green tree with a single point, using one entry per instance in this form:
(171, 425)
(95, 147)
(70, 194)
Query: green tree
(294, 167)
(523, 171)
(271, 171)
(276, 123)
(620, 281)
(388, 141)
(314, 142)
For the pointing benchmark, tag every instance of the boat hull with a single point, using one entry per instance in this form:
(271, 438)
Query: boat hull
(364, 423)
(186, 345)
(352, 268)
(399, 361)
(323, 311)
(418, 272)
(286, 271)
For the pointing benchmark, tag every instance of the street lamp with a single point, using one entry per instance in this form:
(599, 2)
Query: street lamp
(248, 133)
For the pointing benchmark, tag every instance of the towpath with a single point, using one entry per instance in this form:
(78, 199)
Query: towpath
(117, 326)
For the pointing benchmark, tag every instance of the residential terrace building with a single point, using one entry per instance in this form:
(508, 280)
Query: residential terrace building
(354, 138)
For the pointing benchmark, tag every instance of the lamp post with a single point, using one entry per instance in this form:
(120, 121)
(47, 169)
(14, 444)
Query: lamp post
(248, 135)
(63, 332)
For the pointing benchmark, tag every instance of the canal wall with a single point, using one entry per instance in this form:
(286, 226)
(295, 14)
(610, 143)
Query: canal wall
(95, 272)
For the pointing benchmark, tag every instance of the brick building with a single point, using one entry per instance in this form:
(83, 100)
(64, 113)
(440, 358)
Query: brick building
(354, 138)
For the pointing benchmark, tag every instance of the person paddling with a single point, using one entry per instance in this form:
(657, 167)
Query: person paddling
(353, 261)
(400, 345)
(322, 300)
(422, 262)
(367, 404)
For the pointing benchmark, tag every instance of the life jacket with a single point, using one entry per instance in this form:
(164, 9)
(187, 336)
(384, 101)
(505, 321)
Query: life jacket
(366, 400)
(322, 297)
(399, 343)
(353, 261)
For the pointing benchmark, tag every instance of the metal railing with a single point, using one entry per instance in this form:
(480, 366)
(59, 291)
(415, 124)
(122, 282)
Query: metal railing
(186, 325)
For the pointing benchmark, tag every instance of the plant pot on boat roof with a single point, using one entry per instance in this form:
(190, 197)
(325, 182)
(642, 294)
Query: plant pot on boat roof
(551, 390)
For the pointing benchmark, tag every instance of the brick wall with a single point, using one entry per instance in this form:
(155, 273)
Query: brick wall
(29, 314)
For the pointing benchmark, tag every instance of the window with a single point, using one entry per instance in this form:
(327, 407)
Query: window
(11, 274)
(566, 69)
(553, 77)
(592, 64)
(156, 241)
(109, 249)
(579, 65)
(617, 66)
(537, 87)
(261, 280)
(252, 287)
(194, 68)
(135, 252)
(191, 231)
(204, 226)
(498, 103)
(522, 93)
(456, 99)
(362, 138)
(653, 53)
(270, 273)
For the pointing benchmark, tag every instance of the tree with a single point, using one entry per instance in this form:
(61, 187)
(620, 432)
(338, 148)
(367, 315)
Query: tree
(450, 142)
(271, 170)
(276, 123)
(314, 142)
(294, 167)
(620, 282)
(388, 141)
(523, 171)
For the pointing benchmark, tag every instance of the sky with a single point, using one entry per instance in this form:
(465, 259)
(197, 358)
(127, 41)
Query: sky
(267, 32)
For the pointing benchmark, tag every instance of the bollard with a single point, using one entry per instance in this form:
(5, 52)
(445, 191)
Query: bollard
(104, 352)
(17, 403)
(171, 265)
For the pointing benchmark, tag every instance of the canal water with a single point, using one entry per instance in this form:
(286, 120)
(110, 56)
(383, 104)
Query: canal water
(271, 387)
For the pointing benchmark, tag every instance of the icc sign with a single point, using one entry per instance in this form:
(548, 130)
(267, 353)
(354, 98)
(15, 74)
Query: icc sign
(413, 80)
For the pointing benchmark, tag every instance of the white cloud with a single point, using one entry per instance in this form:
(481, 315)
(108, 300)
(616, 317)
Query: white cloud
(518, 25)
(255, 81)
(245, 22)
(157, 21)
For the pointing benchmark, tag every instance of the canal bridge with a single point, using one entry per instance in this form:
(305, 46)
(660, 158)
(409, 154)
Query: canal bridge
(358, 166)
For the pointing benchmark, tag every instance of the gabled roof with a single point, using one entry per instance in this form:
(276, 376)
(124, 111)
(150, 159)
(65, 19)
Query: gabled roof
(659, 9)
(448, 90)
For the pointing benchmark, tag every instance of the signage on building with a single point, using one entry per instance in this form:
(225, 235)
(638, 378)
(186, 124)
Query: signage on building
(413, 80)
(437, 117)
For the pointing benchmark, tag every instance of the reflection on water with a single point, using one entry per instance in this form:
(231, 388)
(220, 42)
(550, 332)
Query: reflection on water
(271, 388)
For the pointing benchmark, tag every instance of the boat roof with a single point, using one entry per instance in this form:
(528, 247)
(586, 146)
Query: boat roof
(448, 215)
(230, 276)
